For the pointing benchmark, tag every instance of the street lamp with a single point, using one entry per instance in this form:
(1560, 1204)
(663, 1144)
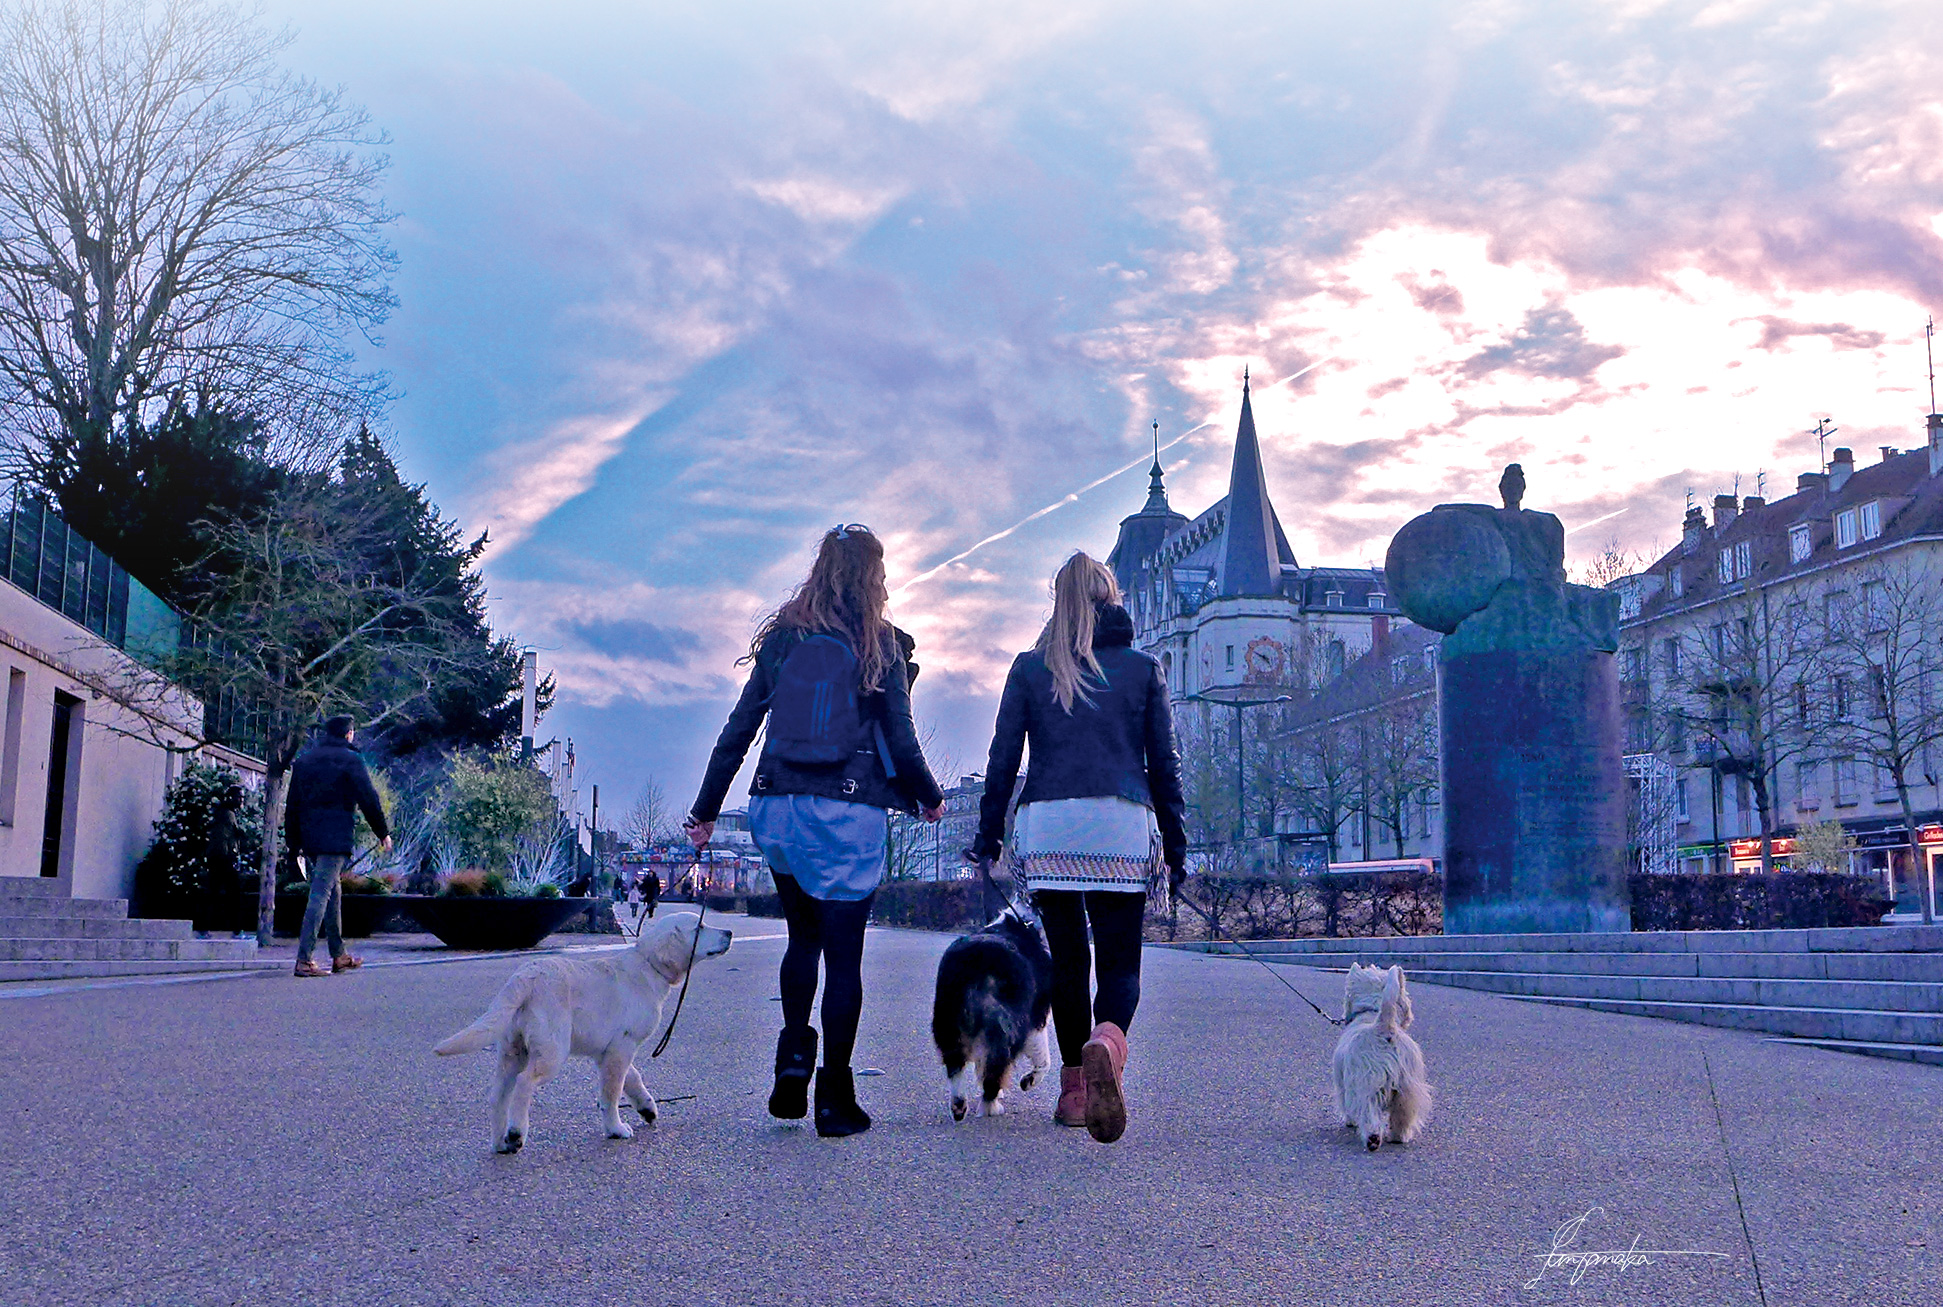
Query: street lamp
(1236, 701)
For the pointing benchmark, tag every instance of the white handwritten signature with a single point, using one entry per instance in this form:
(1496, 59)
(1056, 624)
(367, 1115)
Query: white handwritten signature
(1564, 1253)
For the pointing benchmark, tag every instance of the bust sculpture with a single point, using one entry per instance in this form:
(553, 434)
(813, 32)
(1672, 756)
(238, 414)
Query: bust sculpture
(1528, 717)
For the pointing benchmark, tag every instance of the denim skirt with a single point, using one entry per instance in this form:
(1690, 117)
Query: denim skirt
(832, 848)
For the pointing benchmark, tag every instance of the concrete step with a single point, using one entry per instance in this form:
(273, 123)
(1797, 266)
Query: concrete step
(88, 970)
(1857, 939)
(1926, 1053)
(47, 906)
(1913, 968)
(31, 887)
(1855, 1025)
(126, 950)
(51, 927)
(1845, 995)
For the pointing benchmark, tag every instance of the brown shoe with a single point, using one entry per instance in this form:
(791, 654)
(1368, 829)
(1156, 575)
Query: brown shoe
(308, 971)
(345, 962)
(1101, 1063)
(1072, 1097)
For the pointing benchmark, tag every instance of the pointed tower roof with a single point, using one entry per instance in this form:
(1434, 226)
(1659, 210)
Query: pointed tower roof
(1251, 547)
(1144, 532)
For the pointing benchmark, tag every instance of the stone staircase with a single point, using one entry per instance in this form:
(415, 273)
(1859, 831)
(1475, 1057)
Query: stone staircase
(1876, 990)
(46, 936)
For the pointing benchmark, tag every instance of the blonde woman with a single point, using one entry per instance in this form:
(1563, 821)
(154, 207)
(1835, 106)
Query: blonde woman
(1104, 771)
(831, 677)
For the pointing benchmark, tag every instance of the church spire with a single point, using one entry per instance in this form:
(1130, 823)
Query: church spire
(1250, 559)
(1156, 492)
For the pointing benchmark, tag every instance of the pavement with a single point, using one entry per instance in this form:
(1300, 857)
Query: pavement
(267, 1140)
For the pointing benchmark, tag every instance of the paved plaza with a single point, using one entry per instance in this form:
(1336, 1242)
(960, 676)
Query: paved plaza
(264, 1140)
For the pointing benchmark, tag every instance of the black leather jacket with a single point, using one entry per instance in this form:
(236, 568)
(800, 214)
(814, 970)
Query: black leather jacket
(1121, 745)
(863, 779)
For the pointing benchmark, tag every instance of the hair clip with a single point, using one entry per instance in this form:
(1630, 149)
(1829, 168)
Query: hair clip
(840, 531)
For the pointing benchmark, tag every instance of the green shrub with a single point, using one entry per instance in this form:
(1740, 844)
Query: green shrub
(206, 842)
(489, 804)
(1787, 900)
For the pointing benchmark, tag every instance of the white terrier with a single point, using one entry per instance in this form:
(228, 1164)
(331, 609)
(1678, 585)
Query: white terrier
(1379, 1070)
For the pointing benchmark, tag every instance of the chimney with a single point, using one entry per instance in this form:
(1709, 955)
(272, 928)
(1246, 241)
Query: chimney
(1694, 527)
(1726, 509)
(1889, 452)
(1840, 469)
(1810, 481)
(1936, 443)
(1753, 502)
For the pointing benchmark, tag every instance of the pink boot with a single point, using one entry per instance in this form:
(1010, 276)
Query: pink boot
(1101, 1062)
(1072, 1097)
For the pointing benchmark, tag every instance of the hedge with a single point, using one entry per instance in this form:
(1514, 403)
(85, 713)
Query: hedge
(1787, 900)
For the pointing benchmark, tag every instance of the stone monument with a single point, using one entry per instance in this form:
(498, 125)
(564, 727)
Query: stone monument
(1528, 718)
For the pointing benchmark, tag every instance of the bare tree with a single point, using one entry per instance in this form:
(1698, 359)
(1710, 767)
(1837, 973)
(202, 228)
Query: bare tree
(649, 821)
(181, 222)
(1326, 769)
(1887, 709)
(1612, 561)
(309, 612)
(1743, 705)
(1395, 760)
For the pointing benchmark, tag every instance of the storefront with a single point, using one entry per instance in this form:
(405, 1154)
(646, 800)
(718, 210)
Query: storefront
(1746, 854)
(1885, 852)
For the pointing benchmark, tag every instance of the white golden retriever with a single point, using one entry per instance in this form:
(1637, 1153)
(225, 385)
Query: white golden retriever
(1379, 1070)
(600, 1007)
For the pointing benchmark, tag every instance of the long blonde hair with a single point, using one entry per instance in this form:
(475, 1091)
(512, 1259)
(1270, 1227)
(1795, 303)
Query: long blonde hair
(1078, 589)
(845, 594)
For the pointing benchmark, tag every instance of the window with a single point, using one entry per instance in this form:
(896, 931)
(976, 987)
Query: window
(1430, 658)
(1678, 579)
(1378, 599)
(1845, 792)
(1802, 712)
(1801, 542)
(1231, 657)
(10, 761)
(1726, 561)
(1718, 642)
(1332, 598)
(1840, 684)
(1872, 605)
(1631, 667)
(1845, 528)
(1871, 515)
(1670, 658)
(1743, 559)
(1399, 670)
(1808, 792)
(1680, 799)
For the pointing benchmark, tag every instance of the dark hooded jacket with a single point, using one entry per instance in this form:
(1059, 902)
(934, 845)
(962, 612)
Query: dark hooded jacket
(1121, 745)
(328, 784)
(894, 776)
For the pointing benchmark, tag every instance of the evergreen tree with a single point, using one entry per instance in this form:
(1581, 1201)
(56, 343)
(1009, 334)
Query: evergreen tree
(206, 841)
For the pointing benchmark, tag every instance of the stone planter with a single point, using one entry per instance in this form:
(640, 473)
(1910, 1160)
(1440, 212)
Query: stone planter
(487, 923)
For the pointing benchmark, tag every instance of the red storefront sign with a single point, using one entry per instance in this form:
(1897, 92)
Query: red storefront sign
(1742, 849)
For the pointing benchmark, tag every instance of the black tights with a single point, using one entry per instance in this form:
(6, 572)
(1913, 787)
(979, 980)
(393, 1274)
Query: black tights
(833, 931)
(1116, 916)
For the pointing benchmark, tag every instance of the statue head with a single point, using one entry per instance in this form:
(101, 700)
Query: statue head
(1512, 486)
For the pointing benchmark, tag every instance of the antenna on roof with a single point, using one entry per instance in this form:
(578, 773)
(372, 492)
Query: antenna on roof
(1761, 483)
(1929, 352)
(1689, 499)
(1737, 487)
(1821, 433)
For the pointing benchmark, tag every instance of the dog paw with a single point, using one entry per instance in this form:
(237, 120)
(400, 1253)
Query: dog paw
(511, 1143)
(1027, 1081)
(958, 1109)
(995, 1108)
(621, 1130)
(1373, 1142)
(649, 1113)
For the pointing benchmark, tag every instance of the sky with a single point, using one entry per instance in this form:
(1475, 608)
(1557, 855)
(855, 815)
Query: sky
(683, 284)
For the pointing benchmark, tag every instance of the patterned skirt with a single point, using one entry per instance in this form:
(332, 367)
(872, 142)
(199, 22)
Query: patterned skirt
(1085, 844)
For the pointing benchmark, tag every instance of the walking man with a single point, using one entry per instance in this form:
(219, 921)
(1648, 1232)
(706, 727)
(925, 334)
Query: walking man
(328, 785)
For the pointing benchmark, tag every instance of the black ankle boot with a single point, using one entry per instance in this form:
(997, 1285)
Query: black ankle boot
(795, 1059)
(837, 1113)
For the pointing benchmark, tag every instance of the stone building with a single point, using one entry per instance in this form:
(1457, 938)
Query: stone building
(1220, 599)
(1772, 576)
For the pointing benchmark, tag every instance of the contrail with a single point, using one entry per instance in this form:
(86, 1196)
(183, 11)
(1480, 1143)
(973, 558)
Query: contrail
(1090, 485)
(1608, 517)
(1056, 504)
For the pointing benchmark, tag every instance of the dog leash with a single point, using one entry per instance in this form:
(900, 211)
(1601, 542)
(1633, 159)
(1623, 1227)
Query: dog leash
(701, 902)
(1256, 957)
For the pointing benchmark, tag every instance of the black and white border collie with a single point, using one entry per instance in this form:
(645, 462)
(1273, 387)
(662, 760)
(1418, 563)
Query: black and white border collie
(994, 1000)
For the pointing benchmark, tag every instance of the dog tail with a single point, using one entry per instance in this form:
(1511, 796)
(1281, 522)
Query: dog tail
(492, 1024)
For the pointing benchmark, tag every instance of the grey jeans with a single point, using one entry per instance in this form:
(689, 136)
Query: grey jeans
(326, 906)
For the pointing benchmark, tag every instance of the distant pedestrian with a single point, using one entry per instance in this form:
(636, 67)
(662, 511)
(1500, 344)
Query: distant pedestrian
(1104, 770)
(650, 886)
(329, 785)
(832, 678)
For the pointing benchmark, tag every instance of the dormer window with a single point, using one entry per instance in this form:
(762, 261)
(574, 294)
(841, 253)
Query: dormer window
(1332, 598)
(1678, 579)
(1871, 519)
(1801, 542)
(1846, 533)
(1378, 599)
(1726, 565)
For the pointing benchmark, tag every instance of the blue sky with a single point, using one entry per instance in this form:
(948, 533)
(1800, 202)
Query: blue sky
(683, 284)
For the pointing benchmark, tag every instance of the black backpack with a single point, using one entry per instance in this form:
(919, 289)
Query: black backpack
(814, 715)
